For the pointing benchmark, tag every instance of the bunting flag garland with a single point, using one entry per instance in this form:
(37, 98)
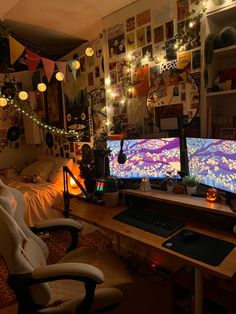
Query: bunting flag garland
(32, 60)
(62, 68)
(16, 49)
(74, 71)
(49, 66)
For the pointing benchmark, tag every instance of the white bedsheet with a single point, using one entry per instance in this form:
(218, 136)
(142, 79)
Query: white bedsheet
(39, 199)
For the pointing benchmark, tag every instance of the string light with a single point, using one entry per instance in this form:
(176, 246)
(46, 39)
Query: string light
(23, 95)
(3, 101)
(60, 76)
(41, 87)
(75, 64)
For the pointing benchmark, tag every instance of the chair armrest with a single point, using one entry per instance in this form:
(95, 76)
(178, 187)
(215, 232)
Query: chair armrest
(68, 271)
(71, 225)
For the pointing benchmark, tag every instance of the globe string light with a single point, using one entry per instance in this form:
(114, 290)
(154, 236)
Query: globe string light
(70, 133)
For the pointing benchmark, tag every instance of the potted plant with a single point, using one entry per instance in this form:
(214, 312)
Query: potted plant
(111, 192)
(190, 182)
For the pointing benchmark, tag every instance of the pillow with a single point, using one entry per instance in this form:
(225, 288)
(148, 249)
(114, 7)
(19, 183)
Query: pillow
(38, 168)
(56, 174)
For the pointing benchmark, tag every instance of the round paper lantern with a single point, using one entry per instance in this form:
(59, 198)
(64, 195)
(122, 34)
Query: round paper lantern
(3, 101)
(41, 87)
(60, 76)
(75, 64)
(89, 52)
(23, 95)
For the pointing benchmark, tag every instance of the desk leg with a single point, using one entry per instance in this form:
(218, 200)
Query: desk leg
(198, 292)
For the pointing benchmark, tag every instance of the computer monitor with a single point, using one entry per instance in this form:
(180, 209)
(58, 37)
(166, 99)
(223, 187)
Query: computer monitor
(213, 161)
(152, 158)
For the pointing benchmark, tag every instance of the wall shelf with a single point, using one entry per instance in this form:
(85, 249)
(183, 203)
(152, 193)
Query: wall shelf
(226, 52)
(224, 93)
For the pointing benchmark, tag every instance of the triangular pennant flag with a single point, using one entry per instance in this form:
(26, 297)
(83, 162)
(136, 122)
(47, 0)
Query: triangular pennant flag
(74, 71)
(62, 68)
(48, 67)
(16, 49)
(32, 60)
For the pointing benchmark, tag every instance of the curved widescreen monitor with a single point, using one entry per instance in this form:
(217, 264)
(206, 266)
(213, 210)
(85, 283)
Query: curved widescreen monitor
(213, 161)
(152, 158)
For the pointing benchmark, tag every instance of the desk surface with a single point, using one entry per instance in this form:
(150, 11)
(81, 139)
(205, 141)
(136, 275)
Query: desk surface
(101, 216)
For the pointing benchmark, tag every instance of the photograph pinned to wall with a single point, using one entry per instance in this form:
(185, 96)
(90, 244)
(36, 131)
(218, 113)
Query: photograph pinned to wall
(182, 9)
(170, 50)
(154, 72)
(53, 103)
(140, 37)
(148, 34)
(158, 34)
(184, 60)
(159, 53)
(147, 52)
(123, 70)
(140, 81)
(113, 76)
(90, 79)
(130, 41)
(98, 52)
(196, 60)
(97, 71)
(136, 58)
(143, 18)
(130, 24)
(169, 26)
(194, 40)
(116, 40)
(194, 99)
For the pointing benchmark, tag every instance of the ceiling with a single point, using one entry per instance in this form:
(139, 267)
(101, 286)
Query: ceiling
(57, 23)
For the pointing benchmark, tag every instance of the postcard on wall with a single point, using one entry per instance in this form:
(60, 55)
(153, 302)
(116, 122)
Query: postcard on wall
(182, 9)
(147, 51)
(169, 30)
(154, 72)
(196, 59)
(140, 35)
(113, 76)
(123, 72)
(90, 79)
(143, 18)
(130, 24)
(148, 34)
(158, 34)
(130, 41)
(184, 59)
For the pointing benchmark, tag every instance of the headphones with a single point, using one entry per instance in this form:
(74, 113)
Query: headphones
(121, 156)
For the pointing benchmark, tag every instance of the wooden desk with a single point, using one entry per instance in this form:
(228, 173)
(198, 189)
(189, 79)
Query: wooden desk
(101, 216)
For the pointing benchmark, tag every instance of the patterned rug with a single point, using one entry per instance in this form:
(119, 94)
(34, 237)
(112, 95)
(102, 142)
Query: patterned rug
(57, 243)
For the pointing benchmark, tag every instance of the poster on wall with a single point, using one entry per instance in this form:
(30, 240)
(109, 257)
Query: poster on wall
(143, 18)
(76, 106)
(53, 103)
(116, 40)
(141, 81)
(130, 41)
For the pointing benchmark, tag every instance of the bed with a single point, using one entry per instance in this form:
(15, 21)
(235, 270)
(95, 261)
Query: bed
(41, 183)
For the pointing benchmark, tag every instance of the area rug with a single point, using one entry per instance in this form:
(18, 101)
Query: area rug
(57, 243)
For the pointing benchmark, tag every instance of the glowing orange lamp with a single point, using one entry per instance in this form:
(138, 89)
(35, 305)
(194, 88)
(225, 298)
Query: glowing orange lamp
(73, 183)
(212, 195)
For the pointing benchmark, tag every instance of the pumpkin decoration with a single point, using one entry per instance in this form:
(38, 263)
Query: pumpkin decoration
(212, 195)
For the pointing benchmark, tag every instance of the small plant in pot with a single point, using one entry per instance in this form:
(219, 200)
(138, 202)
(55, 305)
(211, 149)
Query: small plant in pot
(190, 182)
(111, 192)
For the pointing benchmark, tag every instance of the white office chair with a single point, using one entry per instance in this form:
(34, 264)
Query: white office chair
(84, 281)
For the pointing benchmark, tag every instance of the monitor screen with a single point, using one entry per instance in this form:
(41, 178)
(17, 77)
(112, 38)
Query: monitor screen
(152, 158)
(213, 161)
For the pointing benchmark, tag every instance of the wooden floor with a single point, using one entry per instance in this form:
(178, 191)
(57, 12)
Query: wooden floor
(145, 297)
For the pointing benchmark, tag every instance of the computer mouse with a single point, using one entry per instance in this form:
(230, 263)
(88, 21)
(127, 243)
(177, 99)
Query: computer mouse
(189, 236)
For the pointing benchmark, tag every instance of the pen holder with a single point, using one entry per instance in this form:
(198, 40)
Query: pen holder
(145, 184)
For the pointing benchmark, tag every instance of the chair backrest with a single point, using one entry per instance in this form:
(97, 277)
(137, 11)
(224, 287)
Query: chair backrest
(22, 250)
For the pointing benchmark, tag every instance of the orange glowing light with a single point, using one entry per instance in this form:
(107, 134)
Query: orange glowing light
(73, 183)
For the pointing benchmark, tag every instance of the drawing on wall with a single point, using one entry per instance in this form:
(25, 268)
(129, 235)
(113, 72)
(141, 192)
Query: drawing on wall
(148, 34)
(140, 35)
(169, 30)
(143, 18)
(196, 59)
(182, 9)
(140, 81)
(130, 41)
(130, 24)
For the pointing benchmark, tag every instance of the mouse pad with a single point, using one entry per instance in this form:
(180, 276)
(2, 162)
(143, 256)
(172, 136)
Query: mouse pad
(201, 247)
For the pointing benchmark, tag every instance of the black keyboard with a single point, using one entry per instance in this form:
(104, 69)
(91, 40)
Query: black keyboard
(152, 222)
